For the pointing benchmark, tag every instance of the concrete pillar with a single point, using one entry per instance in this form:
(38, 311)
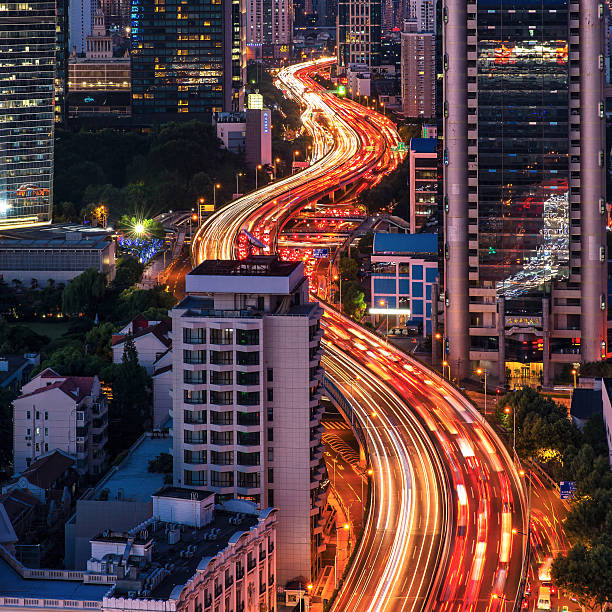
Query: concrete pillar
(501, 334)
(546, 352)
(456, 278)
(592, 170)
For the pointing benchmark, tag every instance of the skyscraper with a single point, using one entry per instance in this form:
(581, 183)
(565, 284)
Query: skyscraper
(525, 251)
(61, 60)
(182, 57)
(246, 389)
(358, 32)
(27, 74)
(81, 17)
(269, 28)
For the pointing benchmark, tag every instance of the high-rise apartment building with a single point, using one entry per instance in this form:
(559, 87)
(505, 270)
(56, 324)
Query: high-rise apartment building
(61, 60)
(27, 75)
(246, 388)
(525, 251)
(358, 32)
(418, 66)
(269, 28)
(187, 57)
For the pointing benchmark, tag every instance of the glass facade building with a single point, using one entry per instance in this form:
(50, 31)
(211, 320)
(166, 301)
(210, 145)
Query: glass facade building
(524, 187)
(182, 54)
(27, 73)
(358, 32)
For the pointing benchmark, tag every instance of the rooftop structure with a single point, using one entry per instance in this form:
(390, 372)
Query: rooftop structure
(423, 159)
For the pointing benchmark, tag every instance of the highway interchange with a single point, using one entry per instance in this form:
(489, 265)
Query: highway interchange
(447, 497)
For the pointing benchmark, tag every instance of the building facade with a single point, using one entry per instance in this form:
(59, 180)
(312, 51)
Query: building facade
(418, 70)
(246, 389)
(258, 137)
(62, 52)
(404, 270)
(269, 29)
(524, 159)
(67, 413)
(358, 33)
(187, 57)
(81, 20)
(423, 160)
(27, 79)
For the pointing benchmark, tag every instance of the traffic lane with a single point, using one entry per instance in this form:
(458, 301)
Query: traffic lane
(419, 555)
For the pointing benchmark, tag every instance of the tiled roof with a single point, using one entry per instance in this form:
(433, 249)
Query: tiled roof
(75, 387)
(48, 469)
(160, 331)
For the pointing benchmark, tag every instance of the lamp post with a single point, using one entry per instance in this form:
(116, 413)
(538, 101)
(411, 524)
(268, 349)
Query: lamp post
(507, 411)
(445, 365)
(257, 169)
(480, 372)
(344, 527)
(237, 187)
(215, 187)
(574, 373)
(276, 161)
(386, 304)
(295, 154)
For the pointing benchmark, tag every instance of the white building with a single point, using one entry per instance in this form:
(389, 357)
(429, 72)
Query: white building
(67, 413)
(81, 18)
(151, 339)
(246, 389)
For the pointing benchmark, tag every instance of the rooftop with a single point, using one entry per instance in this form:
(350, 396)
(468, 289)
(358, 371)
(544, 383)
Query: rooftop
(13, 585)
(182, 563)
(259, 265)
(131, 477)
(423, 145)
(587, 402)
(182, 493)
(56, 235)
(405, 243)
(75, 387)
(47, 470)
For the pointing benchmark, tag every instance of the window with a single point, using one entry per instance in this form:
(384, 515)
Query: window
(221, 398)
(46, 431)
(46, 447)
(221, 357)
(28, 432)
(243, 358)
(194, 336)
(270, 374)
(270, 395)
(270, 411)
(270, 453)
(28, 415)
(248, 419)
(194, 357)
(221, 438)
(46, 416)
(248, 378)
(270, 475)
(248, 459)
(248, 439)
(195, 456)
(194, 378)
(270, 434)
(248, 399)
(195, 478)
(37, 414)
(222, 336)
(224, 458)
(270, 497)
(221, 378)
(194, 437)
(222, 479)
(221, 418)
(248, 481)
(195, 417)
(195, 397)
(248, 337)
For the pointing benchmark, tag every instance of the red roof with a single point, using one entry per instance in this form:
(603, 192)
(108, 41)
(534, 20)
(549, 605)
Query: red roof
(76, 387)
(160, 331)
(44, 472)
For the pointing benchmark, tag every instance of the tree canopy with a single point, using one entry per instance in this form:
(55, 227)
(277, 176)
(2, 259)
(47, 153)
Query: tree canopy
(83, 293)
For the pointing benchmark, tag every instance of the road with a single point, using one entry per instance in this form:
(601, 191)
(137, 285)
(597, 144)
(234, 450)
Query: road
(446, 495)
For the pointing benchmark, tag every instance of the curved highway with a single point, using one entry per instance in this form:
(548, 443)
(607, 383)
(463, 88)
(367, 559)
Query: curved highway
(446, 496)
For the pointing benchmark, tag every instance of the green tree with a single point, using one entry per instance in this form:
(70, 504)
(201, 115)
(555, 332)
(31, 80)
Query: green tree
(586, 573)
(162, 464)
(83, 293)
(349, 268)
(128, 272)
(98, 340)
(353, 302)
(71, 360)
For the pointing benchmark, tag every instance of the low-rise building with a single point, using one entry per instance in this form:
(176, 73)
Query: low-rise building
(231, 130)
(14, 369)
(56, 252)
(151, 339)
(404, 269)
(423, 160)
(67, 413)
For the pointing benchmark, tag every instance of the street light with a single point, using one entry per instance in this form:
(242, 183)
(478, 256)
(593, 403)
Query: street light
(445, 364)
(139, 228)
(257, 169)
(344, 527)
(215, 187)
(386, 304)
(237, 188)
(276, 161)
(574, 373)
(480, 372)
(295, 154)
(507, 410)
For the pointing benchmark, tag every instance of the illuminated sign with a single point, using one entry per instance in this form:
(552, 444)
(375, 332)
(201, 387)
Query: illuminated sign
(391, 311)
(524, 321)
(320, 253)
(255, 101)
(266, 123)
(342, 90)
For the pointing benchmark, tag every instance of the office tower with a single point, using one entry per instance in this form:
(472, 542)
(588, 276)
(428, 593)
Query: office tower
(418, 71)
(61, 60)
(246, 388)
(117, 15)
(80, 20)
(182, 57)
(525, 251)
(358, 32)
(27, 74)
(269, 28)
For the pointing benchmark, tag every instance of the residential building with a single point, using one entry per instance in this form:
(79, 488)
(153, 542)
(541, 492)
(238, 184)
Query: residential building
(162, 391)
(62, 52)
(423, 160)
(418, 66)
(28, 48)
(404, 270)
(246, 389)
(67, 413)
(269, 29)
(201, 70)
(81, 15)
(606, 397)
(358, 33)
(151, 341)
(525, 246)
(99, 83)
(58, 252)
(15, 369)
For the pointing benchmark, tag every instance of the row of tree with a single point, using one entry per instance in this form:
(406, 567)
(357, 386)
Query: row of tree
(545, 434)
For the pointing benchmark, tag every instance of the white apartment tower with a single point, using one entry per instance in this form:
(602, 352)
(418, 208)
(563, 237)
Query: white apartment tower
(269, 28)
(246, 389)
